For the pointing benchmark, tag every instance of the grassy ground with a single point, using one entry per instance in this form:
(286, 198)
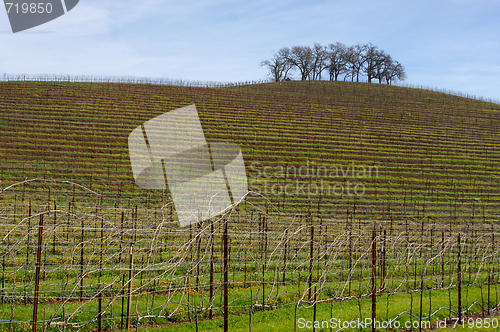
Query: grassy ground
(283, 319)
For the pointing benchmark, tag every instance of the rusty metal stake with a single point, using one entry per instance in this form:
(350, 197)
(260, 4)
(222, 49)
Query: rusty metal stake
(37, 280)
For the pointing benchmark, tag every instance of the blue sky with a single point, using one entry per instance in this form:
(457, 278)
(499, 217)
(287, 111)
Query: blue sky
(448, 44)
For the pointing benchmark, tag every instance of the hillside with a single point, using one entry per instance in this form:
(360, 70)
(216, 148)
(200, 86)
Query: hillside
(367, 201)
(429, 153)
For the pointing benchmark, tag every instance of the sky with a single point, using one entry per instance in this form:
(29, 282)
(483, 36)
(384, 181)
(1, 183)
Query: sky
(447, 44)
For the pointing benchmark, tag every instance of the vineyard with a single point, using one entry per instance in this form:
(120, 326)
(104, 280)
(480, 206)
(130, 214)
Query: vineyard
(359, 193)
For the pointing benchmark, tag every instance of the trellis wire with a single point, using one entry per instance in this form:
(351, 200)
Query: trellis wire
(101, 253)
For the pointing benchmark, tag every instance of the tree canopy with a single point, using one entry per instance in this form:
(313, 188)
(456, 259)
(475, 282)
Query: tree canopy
(338, 60)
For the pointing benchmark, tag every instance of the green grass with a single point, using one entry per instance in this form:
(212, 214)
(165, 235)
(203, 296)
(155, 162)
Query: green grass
(283, 319)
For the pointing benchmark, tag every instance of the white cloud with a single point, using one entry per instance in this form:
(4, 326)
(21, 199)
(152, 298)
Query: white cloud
(84, 20)
(453, 44)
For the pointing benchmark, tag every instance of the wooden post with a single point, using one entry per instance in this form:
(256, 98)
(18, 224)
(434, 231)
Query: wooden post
(245, 266)
(211, 290)
(325, 247)
(3, 278)
(311, 257)
(350, 262)
(119, 264)
(285, 255)
(251, 310)
(374, 279)
(37, 280)
(314, 310)
(421, 279)
(82, 240)
(68, 222)
(264, 262)
(459, 280)
(226, 268)
(55, 225)
(198, 253)
(421, 302)
(492, 269)
(28, 246)
(442, 260)
(493, 260)
(129, 292)
(198, 249)
(382, 286)
(99, 317)
(432, 250)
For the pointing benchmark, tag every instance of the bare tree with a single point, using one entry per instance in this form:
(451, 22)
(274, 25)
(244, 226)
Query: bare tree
(336, 60)
(393, 70)
(355, 57)
(381, 66)
(319, 64)
(375, 60)
(279, 66)
(350, 71)
(302, 58)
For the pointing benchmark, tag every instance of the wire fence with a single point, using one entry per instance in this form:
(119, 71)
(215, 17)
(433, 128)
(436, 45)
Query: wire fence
(195, 83)
(92, 263)
(123, 79)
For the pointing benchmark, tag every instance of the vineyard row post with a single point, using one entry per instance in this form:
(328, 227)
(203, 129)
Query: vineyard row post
(37, 278)
(374, 279)
(226, 268)
(459, 279)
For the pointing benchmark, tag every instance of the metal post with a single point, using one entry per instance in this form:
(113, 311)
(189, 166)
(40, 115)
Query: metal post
(459, 278)
(37, 280)
(129, 300)
(226, 268)
(374, 279)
